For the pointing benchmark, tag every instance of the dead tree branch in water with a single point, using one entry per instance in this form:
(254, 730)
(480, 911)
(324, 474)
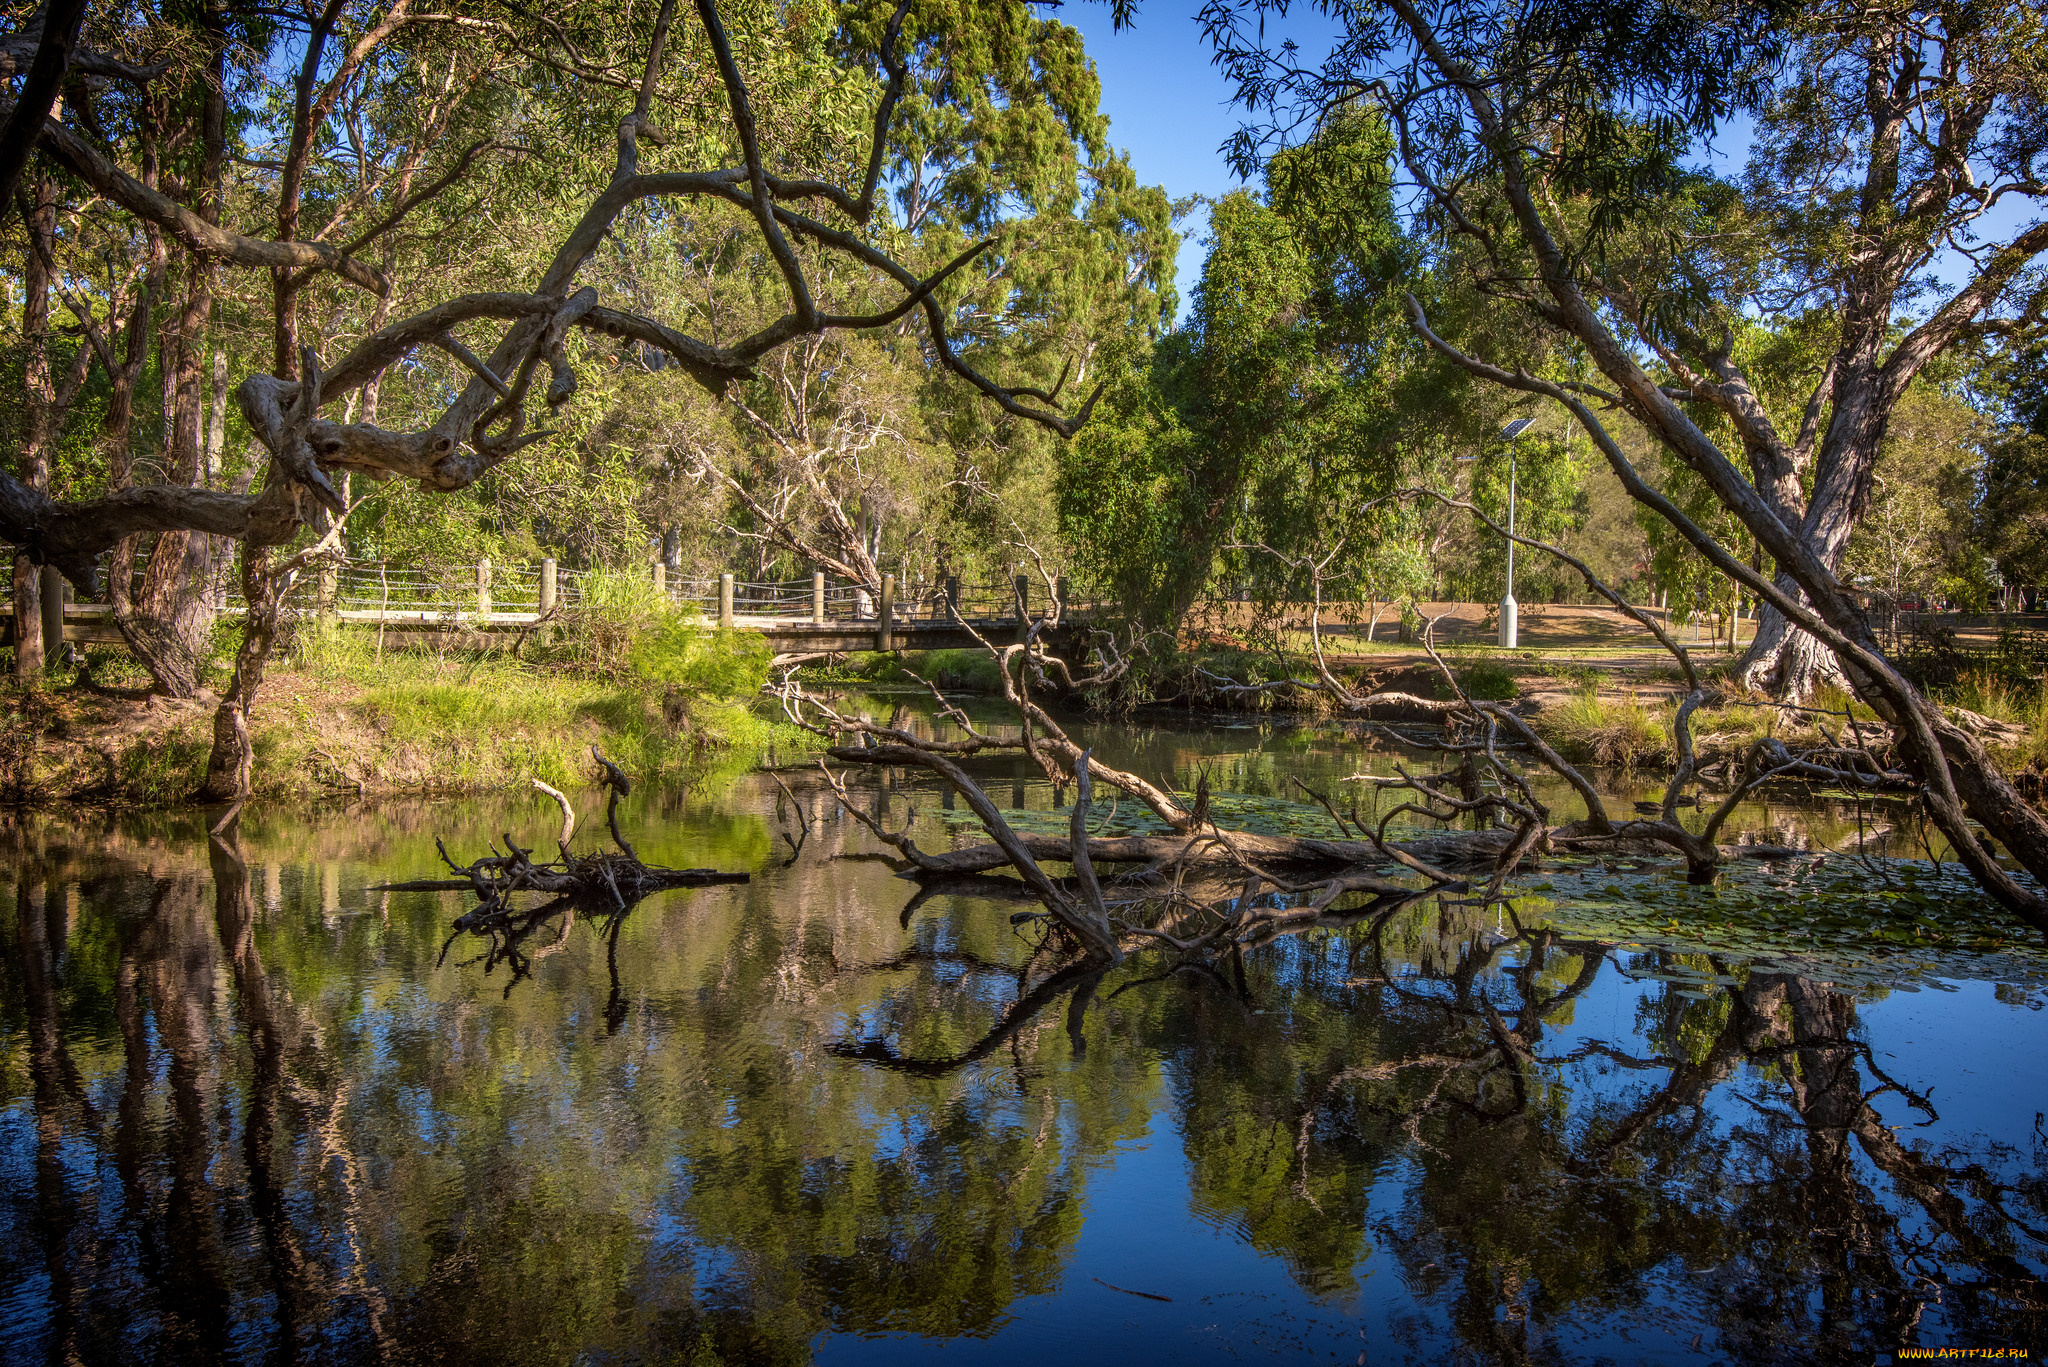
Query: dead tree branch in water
(607, 883)
(1475, 729)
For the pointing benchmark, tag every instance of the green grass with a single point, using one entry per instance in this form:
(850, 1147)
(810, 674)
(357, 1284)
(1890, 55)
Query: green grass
(1623, 733)
(684, 698)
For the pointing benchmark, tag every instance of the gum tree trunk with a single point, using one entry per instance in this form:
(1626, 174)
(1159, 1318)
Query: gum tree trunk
(1784, 662)
(169, 626)
(229, 767)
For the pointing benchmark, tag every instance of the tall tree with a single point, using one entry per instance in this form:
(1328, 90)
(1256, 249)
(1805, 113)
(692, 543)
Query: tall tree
(1544, 136)
(680, 127)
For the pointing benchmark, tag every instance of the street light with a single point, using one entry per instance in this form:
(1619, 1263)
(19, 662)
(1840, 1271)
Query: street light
(1509, 609)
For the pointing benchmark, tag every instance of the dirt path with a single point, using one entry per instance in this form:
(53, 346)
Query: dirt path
(1562, 647)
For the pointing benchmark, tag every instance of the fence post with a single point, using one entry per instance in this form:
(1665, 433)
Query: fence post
(884, 638)
(483, 587)
(1059, 597)
(660, 580)
(330, 591)
(51, 590)
(817, 598)
(547, 587)
(725, 600)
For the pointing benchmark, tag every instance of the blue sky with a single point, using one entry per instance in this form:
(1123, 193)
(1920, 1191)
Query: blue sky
(1168, 108)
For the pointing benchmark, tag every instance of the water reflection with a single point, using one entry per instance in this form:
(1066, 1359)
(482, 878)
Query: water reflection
(832, 1114)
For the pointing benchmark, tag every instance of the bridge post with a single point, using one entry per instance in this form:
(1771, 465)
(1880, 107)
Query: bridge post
(953, 601)
(547, 586)
(725, 600)
(52, 589)
(884, 637)
(817, 598)
(483, 587)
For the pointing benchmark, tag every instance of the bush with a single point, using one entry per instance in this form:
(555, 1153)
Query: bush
(597, 632)
(1488, 679)
(681, 652)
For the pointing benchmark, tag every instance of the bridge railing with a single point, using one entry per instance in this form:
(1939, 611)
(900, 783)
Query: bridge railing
(483, 595)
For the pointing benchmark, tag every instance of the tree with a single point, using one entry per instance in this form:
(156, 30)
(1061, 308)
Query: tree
(1233, 448)
(1550, 143)
(2012, 515)
(635, 64)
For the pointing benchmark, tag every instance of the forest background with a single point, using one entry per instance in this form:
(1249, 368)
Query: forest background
(1293, 393)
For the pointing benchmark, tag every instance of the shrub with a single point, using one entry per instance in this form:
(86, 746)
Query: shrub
(597, 632)
(1488, 679)
(681, 652)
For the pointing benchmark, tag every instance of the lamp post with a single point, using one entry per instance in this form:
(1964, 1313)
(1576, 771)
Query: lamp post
(1509, 609)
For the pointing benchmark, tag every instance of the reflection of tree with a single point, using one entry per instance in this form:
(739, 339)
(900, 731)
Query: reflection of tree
(58, 1097)
(263, 1128)
(1079, 980)
(1528, 1219)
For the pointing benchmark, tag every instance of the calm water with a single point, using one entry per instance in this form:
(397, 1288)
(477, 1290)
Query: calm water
(249, 1112)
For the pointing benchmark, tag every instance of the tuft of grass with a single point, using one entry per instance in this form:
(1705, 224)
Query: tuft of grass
(1622, 733)
(164, 770)
(1835, 699)
(1997, 696)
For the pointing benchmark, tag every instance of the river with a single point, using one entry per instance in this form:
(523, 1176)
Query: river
(252, 1110)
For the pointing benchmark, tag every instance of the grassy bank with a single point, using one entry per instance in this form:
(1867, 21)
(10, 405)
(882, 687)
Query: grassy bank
(335, 715)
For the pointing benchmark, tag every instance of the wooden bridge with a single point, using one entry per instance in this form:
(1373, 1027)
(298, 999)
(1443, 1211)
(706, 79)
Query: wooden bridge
(494, 604)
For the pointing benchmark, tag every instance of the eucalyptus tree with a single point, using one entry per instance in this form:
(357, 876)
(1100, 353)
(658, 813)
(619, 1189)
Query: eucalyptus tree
(1238, 450)
(1543, 136)
(680, 117)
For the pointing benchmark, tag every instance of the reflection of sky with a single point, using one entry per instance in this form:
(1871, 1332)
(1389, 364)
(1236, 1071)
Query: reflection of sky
(1147, 1231)
(1984, 1061)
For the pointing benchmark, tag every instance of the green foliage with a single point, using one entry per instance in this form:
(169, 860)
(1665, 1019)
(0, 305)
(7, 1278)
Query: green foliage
(1253, 452)
(1488, 679)
(678, 652)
